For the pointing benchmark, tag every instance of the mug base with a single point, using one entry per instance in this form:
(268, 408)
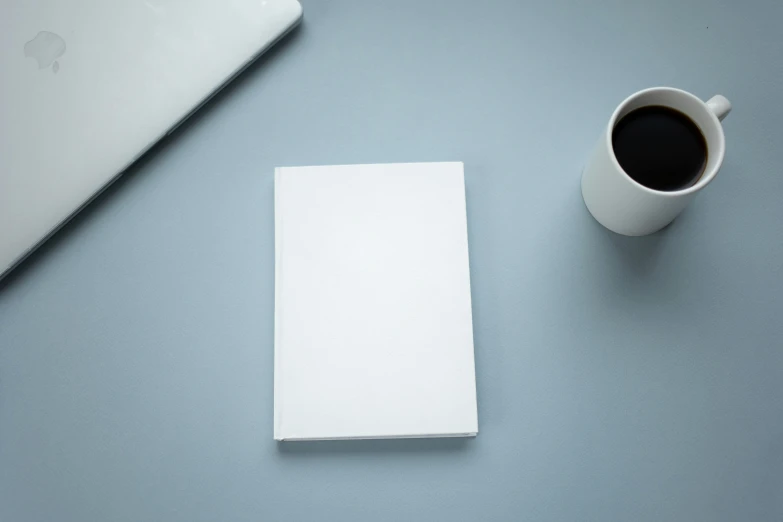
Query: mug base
(614, 229)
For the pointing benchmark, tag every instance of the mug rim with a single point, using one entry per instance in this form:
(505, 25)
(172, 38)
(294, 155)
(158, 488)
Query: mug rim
(705, 179)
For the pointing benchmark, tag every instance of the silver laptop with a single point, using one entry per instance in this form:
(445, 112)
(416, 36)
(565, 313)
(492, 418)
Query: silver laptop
(89, 85)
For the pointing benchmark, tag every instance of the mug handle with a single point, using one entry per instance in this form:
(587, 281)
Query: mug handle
(719, 105)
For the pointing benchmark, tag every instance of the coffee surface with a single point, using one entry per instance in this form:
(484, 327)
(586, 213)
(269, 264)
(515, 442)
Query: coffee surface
(660, 148)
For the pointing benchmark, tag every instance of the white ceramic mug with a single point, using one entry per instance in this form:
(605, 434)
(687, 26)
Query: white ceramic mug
(623, 205)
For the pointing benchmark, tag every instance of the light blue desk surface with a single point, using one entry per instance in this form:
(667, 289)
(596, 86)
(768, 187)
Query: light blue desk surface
(618, 379)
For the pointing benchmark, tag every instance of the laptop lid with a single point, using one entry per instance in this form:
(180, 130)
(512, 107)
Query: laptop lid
(89, 85)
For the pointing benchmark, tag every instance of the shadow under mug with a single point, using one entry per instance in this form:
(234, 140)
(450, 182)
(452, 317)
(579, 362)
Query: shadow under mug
(627, 207)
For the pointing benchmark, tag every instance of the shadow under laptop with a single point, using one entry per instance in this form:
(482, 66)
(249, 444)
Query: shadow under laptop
(136, 171)
(375, 446)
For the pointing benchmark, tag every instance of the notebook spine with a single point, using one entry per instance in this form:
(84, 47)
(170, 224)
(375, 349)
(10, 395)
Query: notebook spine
(278, 392)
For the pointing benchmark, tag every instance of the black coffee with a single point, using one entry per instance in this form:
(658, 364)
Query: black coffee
(660, 147)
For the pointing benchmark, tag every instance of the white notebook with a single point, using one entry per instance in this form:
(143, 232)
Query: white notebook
(373, 325)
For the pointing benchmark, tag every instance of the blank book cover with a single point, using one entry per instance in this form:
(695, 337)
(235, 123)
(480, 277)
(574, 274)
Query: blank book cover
(373, 324)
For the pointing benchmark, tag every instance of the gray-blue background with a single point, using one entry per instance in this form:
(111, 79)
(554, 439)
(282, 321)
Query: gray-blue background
(618, 378)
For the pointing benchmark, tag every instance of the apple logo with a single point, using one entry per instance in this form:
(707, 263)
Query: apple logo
(45, 48)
